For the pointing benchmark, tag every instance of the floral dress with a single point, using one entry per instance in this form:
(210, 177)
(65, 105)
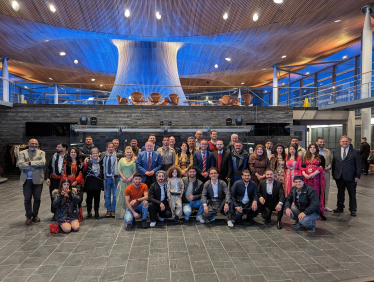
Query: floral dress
(279, 167)
(293, 169)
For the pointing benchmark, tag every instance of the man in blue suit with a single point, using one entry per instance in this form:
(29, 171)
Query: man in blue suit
(203, 160)
(152, 139)
(148, 163)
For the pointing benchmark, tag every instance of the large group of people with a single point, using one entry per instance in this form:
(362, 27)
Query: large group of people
(202, 175)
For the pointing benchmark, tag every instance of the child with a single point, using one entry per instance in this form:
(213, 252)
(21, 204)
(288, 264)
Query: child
(175, 190)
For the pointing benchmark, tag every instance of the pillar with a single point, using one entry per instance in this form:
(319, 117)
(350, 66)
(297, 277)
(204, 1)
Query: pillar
(349, 127)
(366, 71)
(147, 67)
(5, 75)
(56, 94)
(275, 86)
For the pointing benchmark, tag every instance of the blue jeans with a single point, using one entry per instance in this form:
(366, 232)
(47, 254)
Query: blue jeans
(111, 188)
(308, 220)
(129, 217)
(187, 208)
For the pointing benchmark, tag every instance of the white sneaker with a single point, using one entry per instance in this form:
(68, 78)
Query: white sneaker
(213, 219)
(152, 224)
(230, 224)
(200, 219)
(328, 209)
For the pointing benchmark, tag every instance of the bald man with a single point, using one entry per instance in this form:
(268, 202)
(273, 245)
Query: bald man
(199, 137)
(31, 162)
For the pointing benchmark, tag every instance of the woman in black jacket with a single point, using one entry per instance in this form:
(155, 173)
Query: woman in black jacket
(65, 201)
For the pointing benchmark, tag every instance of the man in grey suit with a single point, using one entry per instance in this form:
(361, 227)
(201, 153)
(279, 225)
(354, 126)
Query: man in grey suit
(346, 170)
(31, 162)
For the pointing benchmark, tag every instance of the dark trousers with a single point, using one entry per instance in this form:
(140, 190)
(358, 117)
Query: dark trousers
(55, 183)
(351, 187)
(267, 210)
(215, 207)
(202, 178)
(93, 194)
(247, 209)
(155, 209)
(365, 165)
(31, 190)
(148, 181)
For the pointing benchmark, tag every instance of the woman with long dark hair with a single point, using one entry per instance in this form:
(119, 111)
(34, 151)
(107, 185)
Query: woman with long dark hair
(293, 168)
(184, 158)
(258, 164)
(314, 174)
(65, 201)
(278, 163)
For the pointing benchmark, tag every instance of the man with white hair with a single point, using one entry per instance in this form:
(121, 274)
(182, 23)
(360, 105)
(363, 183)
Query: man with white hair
(230, 147)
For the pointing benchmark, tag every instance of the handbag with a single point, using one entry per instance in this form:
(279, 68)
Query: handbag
(54, 228)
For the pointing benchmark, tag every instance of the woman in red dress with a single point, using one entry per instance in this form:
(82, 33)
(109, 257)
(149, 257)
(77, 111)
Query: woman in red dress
(293, 166)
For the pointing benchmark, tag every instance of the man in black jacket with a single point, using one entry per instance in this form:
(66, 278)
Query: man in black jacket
(192, 195)
(244, 198)
(364, 154)
(223, 162)
(84, 151)
(302, 204)
(158, 200)
(271, 197)
(346, 170)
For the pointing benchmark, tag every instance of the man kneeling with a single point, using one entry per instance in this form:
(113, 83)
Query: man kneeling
(136, 196)
(302, 204)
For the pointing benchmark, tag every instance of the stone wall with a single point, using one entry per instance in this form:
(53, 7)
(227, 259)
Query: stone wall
(13, 122)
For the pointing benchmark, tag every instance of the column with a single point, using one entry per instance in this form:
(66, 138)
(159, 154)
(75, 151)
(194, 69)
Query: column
(56, 94)
(366, 70)
(275, 86)
(5, 75)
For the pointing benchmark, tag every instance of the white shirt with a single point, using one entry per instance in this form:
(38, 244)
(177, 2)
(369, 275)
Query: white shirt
(268, 152)
(60, 162)
(215, 189)
(346, 151)
(322, 152)
(220, 152)
(269, 188)
(162, 192)
(245, 198)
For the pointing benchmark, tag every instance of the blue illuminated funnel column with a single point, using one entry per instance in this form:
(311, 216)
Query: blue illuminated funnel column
(147, 63)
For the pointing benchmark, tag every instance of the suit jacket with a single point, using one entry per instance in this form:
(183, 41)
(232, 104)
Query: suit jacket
(36, 165)
(198, 161)
(226, 164)
(364, 150)
(142, 163)
(84, 152)
(197, 189)
(223, 192)
(238, 191)
(328, 157)
(350, 168)
(49, 168)
(277, 192)
(154, 149)
(154, 193)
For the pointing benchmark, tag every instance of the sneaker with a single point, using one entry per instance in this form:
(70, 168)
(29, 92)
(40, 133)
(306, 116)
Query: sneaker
(200, 219)
(128, 227)
(108, 214)
(152, 224)
(353, 213)
(186, 218)
(144, 224)
(230, 224)
(296, 225)
(312, 229)
(328, 209)
(113, 213)
(161, 219)
(213, 219)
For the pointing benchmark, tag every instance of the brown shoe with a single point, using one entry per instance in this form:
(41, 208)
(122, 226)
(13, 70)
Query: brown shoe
(108, 214)
(113, 214)
(28, 221)
(36, 219)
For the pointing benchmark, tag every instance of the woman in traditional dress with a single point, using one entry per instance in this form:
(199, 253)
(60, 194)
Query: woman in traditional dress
(258, 164)
(184, 158)
(278, 163)
(293, 166)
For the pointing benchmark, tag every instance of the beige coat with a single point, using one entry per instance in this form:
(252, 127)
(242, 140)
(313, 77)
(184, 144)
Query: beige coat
(36, 165)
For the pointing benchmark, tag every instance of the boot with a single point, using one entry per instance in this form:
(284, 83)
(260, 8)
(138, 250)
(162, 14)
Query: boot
(89, 214)
(96, 213)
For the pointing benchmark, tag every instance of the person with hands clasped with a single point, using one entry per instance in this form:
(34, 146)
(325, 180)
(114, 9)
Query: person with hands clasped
(175, 189)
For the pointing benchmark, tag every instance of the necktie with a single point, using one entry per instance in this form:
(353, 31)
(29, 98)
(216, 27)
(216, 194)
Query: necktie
(344, 154)
(149, 161)
(219, 161)
(110, 165)
(204, 163)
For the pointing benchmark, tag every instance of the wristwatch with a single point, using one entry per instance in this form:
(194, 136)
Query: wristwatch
(137, 200)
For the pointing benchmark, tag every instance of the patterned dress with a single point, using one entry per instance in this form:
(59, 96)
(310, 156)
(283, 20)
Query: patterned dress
(317, 182)
(127, 169)
(279, 167)
(293, 169)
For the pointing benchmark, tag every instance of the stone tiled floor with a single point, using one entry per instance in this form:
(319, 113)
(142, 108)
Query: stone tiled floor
(342, 247)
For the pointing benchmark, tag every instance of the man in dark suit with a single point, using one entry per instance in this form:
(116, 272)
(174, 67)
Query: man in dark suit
(271, 197)
(244, 198)
(346, 170)
(203, 160)
(148, 163)
(364, 154)
(216, 198)
(223, 162)
(152, 139)
(158, 199)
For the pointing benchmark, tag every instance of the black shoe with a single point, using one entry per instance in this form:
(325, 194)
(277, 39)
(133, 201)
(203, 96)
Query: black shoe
(53, 218)
(338, 210)
(323, 217)
(353, 213)
(133, 223)
(238, 221)
(176, 219)
(128, 227)
(267, 221)
(279, 225)
(89, 215)
(96, 214)
(144, 224)
(251, 221)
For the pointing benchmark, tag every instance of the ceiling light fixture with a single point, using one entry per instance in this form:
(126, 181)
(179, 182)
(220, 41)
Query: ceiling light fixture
(52, 8)
(337, 21)
(255, 17)
(228, 59)
(26, 87)
(62, 53)
(101, 85)
(284, 56)
(216, 66)
(158, 16)
(278, 1)
(92, 79)
(344, 57)
(263, 69)
(283, 83)
(242, 82)
(127, 13)
(225, 16)
(15, 6)
(50, 78)
(76, 62)
(307, 72)
(266, 91)
(46, 40)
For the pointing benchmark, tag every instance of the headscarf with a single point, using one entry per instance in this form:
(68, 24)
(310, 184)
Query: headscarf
(254, 155)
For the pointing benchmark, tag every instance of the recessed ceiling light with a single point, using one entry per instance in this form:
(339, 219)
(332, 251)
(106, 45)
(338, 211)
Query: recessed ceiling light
(283, 83)
(15, 6)
(46, 40)
(242, 82)
(263, 69)
(284, 56)
(76, 62)
(101, 85)
(62, 53)
(266, 91)
(52, 8)
(50, 78)
(216, 66)
(338, 21)
(344, 57)
(225, 16)
(92, 79)
(228, 59)
(26, 87)
(307, 72)
(158, 16)
(127, 13)
(255, 17)
(278, 1)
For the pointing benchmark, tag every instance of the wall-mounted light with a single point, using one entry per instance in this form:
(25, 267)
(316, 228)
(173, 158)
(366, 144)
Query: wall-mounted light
(225, 16)
(15, 6)
(127, 13)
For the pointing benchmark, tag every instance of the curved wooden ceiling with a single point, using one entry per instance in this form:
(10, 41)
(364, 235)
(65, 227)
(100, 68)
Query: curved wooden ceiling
(303, 30)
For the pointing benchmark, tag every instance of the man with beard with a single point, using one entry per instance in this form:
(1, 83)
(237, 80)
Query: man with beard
(116, 146)
(191, 145)
(328, 162)
(203, 160)
(172, 144)
(234, 138)
(223, 162)
(269, 149)
(167, 154)
(364, 154)
(213, 141)
(85, 150)
(152, 139)
(192, 195)
(300, 151)
(31, 163)
(134, 147)
(239, 161)
(53, 171)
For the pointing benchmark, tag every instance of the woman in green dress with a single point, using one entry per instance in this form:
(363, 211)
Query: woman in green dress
(126, 170)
